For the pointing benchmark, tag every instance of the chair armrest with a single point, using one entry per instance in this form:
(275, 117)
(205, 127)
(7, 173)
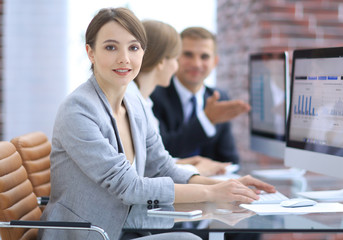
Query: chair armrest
(43, 200)
(52, 224)
(56, 225)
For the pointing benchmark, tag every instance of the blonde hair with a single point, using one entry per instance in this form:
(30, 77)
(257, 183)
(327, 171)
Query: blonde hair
(199, 33)
(163, 42)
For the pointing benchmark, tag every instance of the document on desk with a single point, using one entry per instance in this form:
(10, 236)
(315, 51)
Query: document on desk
(277, 209)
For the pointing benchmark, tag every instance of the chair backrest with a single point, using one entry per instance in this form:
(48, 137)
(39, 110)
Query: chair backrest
(17, 200)
(34, 149)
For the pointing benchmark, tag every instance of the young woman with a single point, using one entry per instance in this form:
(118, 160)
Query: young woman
(158, 66)
(106, 156)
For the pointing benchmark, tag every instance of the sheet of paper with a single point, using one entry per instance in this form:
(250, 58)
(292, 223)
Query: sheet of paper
(277, 209)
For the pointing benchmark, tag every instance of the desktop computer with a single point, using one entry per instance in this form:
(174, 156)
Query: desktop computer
(315, 121)
(268, 80)
(269, 100)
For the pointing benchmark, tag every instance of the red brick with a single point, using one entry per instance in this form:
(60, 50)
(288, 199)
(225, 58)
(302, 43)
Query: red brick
(268, 26)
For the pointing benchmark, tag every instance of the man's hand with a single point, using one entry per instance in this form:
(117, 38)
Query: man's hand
(223, 111)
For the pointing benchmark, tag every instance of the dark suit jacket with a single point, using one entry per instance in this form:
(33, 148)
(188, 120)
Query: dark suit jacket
(183, 139)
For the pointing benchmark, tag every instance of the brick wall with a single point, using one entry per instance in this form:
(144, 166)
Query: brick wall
(247, 26)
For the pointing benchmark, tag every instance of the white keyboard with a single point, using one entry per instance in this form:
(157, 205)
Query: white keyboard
(266, 198)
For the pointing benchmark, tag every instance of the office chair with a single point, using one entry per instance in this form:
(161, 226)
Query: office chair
(19, 210)
(34, 149)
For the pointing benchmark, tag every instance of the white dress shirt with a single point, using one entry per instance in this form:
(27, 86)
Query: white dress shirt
(185, 95)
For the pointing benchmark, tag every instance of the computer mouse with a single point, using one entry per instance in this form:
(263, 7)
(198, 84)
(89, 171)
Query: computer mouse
(298, 202)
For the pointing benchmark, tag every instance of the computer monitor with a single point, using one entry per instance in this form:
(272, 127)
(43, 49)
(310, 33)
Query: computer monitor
(268, 78)
(315, 120)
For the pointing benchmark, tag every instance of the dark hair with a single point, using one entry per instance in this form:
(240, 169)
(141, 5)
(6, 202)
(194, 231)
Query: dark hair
(124, 17)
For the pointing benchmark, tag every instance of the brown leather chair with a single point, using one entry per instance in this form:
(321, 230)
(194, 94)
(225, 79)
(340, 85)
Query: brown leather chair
(19, 210)
(17, 200)
(34, 149)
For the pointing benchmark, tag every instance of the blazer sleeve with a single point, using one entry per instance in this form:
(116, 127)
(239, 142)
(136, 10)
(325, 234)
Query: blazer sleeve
(226, 146)
(159, 163)
(84, 134)
(222, 147)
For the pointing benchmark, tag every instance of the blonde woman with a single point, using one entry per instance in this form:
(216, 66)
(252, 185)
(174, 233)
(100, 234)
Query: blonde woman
(158, 66)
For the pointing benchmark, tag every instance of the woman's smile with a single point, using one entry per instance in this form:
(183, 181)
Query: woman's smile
(122, 71)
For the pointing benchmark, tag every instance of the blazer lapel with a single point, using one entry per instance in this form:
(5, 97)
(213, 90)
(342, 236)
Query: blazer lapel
(136, 124)
(109, 111)
(176, 102)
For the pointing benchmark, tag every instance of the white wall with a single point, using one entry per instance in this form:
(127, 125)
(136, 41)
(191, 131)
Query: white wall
(44, 51)
(178, 13)
(35, 64)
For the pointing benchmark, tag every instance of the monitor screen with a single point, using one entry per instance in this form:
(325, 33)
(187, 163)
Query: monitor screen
(315, 124)
(267, 89)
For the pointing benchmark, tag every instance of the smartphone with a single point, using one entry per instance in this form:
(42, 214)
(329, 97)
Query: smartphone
(168, 212)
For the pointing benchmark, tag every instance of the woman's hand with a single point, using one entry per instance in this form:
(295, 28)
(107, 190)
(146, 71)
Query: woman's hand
(203, 189)
(257, 184)
(239, 190)
(231, 191)
(211, 168)
(206, 166)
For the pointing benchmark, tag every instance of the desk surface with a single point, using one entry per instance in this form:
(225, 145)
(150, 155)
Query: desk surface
(238, 219)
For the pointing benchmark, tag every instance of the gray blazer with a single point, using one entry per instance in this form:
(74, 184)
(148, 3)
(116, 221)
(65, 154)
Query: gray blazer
(91, 180)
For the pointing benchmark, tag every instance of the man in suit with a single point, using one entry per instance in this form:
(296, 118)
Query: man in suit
(204, 130)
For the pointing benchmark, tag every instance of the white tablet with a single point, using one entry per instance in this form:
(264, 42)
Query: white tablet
(161, 211)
